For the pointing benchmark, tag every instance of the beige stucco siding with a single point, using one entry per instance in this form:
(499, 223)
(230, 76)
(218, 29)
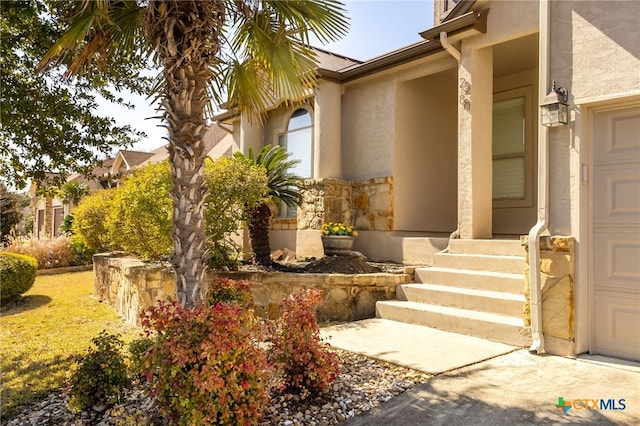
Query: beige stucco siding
(595, 54)
(507, 20)
(595, 47)
(368, 126)
(426, 154)
(369, 116)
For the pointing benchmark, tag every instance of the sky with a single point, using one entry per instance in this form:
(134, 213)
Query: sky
(376, 27)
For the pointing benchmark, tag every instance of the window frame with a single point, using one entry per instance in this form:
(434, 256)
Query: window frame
(525, 92)
(284, 212)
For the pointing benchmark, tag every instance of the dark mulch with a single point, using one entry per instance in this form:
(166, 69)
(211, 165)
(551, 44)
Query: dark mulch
(351, 264)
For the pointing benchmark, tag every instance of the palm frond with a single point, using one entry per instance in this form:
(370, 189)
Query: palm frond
(274, 62)
(282, 185)
(99, 31)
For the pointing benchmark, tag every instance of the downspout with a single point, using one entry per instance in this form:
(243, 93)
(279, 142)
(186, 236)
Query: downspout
(444, 42)
(535, 290)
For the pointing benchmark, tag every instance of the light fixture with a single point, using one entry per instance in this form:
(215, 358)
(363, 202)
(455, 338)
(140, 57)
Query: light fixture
(555, 108)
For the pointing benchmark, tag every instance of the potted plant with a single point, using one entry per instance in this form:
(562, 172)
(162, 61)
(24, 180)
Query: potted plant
(337, 238)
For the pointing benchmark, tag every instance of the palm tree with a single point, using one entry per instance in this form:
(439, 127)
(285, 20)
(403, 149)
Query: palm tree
(283, 188)
(268, 59)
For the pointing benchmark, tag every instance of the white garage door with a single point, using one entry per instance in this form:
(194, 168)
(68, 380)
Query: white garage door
(616, 233)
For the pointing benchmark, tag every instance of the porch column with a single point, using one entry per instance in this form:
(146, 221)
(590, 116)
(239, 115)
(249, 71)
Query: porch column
(475, 96)
(250, 135)
(326, 130)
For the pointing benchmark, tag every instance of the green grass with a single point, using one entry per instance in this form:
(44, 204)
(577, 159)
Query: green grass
(55, 320)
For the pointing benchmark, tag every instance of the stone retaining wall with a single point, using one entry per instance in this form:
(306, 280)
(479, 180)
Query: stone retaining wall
(130, 286)
(557, 258)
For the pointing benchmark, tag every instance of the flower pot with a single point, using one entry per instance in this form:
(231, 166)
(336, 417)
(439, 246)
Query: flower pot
(339, 245)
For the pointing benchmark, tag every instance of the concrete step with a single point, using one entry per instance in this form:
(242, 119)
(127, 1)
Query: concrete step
(488, 247)
(498, 328)
(466, 278)
(480, 262)
(475, 300)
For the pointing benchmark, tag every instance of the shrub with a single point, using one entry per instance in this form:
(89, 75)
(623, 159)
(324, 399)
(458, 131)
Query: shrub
(67, 224)
(82, 255)
(138, 352)
(306, 363)
(223, 290)
(101, 376)
(140, 218)
(234, 184)
(89, 219)
(9, 211)
(206, 364)
(48, 252)
(17, 275)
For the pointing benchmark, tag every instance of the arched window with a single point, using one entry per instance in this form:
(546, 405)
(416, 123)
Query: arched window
(298, 140)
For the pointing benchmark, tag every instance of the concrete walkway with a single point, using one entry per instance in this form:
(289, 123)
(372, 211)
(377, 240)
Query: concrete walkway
(485, 383)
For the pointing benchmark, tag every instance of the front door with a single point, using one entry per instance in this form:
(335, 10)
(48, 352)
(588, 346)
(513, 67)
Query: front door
(615, 242)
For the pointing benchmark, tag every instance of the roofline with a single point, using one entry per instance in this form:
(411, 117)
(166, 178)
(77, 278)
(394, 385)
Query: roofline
(459, 23)
(379, 63)
(475, 22)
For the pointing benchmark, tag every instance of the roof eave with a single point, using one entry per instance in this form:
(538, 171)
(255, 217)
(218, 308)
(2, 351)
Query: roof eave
(471, 23)
(380, 63)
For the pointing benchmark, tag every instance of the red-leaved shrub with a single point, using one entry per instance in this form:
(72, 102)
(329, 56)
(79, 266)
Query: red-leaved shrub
(206, 365)
(306, 363)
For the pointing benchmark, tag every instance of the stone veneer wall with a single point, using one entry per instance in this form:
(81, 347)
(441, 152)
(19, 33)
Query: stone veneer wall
(130, 285)
(373, 200)
(557, 259)
(325, 200)
(368, 204)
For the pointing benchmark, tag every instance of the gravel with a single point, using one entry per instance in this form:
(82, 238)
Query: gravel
(363, 383)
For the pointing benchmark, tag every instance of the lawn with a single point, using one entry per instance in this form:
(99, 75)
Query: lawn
(55, 320)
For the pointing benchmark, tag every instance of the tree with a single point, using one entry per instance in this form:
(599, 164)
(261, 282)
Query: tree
(268, 58)
(283, 188)
(139, 219)
(50, 125)
(72, 191)
(236, 185)
(10, 214)
(90, 219)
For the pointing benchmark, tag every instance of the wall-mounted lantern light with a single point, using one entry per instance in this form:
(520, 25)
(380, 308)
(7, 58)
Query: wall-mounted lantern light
(554, 107)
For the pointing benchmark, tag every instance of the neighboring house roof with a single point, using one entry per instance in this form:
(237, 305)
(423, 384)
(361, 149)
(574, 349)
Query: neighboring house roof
(129, 160)
(217, 143)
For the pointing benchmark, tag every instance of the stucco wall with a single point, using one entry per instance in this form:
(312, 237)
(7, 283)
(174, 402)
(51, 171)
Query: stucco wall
(129, 286)
(426, 163)
(506, 20)
(368, 133)
(595, 55)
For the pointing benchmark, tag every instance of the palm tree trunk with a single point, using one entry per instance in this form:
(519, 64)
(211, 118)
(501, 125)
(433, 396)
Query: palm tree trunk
(259, 234)
(180, 32)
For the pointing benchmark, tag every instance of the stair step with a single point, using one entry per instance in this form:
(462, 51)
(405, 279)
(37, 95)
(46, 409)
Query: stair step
(466, 278)
(499, 328)
(455, 297)
(480, 262)
(487, 247)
